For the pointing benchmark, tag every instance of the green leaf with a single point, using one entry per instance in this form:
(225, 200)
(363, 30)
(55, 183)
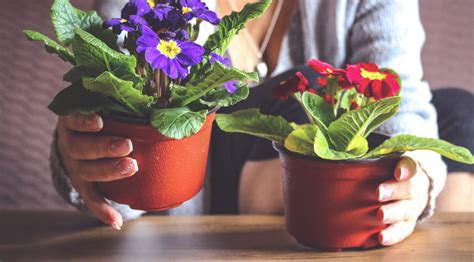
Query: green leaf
(301, 140)
(76, 99)
(252, 122)
(231, 25)
(360, 123)
(66, 19)
(323, 149)
(91, 52)
(122, 91)
(51, 46)
(178, 122)
(78, 72)
(215, 78)
(318, 108)
(221, 97)
(403, 143)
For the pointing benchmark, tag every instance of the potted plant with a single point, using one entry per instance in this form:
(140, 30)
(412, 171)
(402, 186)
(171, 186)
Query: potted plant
(158, 87)
(330, 170)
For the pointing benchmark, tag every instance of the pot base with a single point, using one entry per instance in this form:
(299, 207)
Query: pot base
(154, 209)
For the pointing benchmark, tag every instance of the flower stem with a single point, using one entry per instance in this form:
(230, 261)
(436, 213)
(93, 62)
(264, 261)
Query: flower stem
(157, 79)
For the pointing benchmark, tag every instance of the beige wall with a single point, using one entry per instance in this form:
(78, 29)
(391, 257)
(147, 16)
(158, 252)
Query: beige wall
(448, 54)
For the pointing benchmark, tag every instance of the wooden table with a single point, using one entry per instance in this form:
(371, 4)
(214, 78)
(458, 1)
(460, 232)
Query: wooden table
(69, 236)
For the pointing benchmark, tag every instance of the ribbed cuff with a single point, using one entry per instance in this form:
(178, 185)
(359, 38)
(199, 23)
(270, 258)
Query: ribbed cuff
(436, 171)
(63, 186)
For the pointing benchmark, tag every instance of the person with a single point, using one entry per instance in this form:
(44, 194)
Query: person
(244, 171)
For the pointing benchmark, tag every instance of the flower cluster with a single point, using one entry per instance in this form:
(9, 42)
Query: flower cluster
(161, 29)
(367, 79)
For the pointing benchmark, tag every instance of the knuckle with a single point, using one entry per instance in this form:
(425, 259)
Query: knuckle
(410, 187)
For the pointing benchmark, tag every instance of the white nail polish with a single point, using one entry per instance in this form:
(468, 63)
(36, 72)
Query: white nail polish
(135, 165)
(115, 226)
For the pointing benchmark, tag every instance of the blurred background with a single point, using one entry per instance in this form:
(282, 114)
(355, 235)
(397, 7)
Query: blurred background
(29, 79)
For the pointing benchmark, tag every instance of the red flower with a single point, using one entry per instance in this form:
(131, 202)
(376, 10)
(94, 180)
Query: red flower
(296, 83)
(324, 68)
(343, 82)
(372, 81)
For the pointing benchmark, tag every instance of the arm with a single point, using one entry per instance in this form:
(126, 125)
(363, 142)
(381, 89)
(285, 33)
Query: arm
(390, 34)
(395, 39)
(260, 190)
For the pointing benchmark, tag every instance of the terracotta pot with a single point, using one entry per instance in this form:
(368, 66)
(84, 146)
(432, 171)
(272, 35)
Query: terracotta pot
(332, 205)
(170, 171)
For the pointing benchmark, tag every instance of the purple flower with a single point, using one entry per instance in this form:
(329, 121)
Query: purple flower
(170, 55)
(198, 9)
(230, 86)
(131, 17)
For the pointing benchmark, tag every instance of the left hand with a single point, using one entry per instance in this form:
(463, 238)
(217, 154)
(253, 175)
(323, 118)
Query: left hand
(410, 192)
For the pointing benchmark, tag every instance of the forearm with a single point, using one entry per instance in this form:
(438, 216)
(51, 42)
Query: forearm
(260, 190)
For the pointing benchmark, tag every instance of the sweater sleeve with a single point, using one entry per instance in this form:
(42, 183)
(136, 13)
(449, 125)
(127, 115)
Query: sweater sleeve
(63, 186)
(389, 33)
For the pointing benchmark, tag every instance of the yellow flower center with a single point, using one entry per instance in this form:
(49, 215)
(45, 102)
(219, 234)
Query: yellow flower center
(122, 20)
(329, 70)
(151, 3)
(186, 10)
(169, 48)
(372, 75)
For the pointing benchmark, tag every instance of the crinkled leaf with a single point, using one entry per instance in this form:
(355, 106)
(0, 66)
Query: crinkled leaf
(252, 122)
(76, 74)
(301, 140)
(323, 149)
(66, 19)
(121, 90)
(215, 78)
(76, 99)
(360, 123)
(403, 143)
(231, 25)
(91, 52)
(178, 122)
(318, 108)
(222, 98)
(51, 46)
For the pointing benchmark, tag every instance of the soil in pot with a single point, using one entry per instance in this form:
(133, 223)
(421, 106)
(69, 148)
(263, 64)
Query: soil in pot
(332, 205)
(170, 171)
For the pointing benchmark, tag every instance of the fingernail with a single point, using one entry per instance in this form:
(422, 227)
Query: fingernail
(94, 122)
(404, 172)
(115, 226)
(386, 239)
(127, 166)
(386, 214)
(385, 193)
(121, 146)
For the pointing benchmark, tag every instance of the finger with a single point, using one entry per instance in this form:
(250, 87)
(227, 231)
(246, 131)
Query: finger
(97, 204)
(89, 147)
(405, 169)
(105, 169)
(82, 122)
(395, 212)
(396, 233)
(395, 190)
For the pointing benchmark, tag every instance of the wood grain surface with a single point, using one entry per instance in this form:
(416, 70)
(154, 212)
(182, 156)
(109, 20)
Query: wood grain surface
(70, 236)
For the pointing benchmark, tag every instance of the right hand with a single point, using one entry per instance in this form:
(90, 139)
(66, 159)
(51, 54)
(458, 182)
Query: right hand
(89, 158)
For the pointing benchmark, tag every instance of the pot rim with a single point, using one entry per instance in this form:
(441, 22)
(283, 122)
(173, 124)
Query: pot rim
(140, 121)
(282, 150)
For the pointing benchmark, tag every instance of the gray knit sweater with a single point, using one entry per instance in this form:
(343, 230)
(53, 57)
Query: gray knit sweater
(386, 32)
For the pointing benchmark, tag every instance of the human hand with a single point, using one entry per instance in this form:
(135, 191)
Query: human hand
(409, 190)
(90, 158)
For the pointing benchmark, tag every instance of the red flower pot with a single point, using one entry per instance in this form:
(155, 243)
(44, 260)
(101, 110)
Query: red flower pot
(170, 171)
(332, 205)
